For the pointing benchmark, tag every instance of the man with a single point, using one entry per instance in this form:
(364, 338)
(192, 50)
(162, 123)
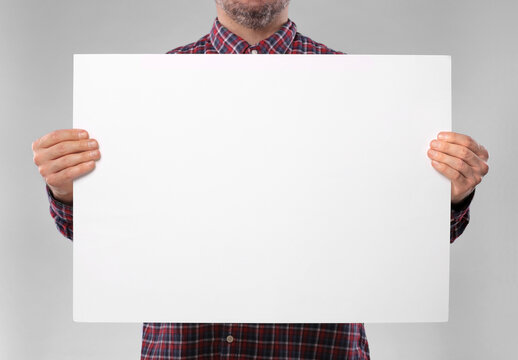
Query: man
(251, 26)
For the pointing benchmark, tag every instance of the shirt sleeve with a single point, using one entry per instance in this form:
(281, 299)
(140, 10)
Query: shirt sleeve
(62, 214)
(460, 217)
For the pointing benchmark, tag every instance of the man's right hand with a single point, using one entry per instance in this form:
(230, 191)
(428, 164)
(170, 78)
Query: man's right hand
(62, 156)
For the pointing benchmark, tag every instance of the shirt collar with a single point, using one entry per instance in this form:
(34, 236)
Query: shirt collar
(226, 42)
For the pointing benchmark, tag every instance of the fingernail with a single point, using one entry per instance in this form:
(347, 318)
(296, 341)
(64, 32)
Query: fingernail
(91, 143)
(83, 134)
(442, 136)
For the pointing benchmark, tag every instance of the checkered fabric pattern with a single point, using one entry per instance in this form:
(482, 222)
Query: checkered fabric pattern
(247, 340)
(286, 40)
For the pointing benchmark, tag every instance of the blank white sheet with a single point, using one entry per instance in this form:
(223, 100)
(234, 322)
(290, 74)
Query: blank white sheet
(262, 189)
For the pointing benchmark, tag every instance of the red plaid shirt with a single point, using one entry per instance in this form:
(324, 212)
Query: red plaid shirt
(253, 341)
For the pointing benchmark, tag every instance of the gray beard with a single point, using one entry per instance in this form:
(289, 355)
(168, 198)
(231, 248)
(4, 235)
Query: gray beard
(252, 17)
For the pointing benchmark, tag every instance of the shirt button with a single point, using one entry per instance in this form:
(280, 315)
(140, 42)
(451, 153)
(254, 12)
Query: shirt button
(230, 338)
(254, 51)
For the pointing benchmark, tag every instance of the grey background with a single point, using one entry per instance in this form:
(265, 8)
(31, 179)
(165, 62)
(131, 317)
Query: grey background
(37, 40)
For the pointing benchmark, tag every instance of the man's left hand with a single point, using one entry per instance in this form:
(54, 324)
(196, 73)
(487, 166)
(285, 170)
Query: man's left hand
(461, 159)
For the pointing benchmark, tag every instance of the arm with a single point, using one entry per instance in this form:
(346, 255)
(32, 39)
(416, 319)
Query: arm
(62, 156)
(464, 161)
(62, 214)
(460, 217)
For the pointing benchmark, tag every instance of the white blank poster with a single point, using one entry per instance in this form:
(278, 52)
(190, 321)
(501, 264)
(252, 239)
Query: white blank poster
(262, 189)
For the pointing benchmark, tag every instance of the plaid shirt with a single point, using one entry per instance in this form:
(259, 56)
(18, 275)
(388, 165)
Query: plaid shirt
(253, 341)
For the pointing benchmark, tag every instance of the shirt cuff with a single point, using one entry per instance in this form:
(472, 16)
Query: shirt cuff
(460, 208)
(63, 210)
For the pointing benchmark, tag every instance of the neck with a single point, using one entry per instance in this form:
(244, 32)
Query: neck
(252, 36)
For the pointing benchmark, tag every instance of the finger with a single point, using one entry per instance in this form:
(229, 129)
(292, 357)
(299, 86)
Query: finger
(450, 172)
(67, 161)
(485, 153)
(69, 147)
(454, 162)
(58, 136)
(459, 151)
(466, 141)
(69, 174)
